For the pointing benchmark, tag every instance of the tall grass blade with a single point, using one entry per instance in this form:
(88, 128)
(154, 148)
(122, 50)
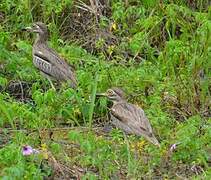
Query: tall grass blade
(92, 103)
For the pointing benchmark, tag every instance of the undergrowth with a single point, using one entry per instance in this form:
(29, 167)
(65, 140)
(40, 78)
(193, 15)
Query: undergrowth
(158, 52)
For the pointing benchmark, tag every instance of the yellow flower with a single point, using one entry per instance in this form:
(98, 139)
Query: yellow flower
(44, 151)
(133, 147)
(99, 137)
(110, 49)
(77, 111)
(43, 147)
(113, 26)
(141, 144)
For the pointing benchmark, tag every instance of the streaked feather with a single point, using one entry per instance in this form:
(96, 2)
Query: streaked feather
(47, 60)
(60, 69)
(132, 120)
(41, 64)
(128, 117)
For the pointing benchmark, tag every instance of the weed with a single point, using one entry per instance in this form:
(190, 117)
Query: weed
(158, 52)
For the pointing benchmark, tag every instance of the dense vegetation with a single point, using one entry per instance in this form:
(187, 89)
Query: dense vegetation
(158, 51)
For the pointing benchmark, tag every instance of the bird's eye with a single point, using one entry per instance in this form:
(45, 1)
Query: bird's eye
(35, 26)
(110, 92)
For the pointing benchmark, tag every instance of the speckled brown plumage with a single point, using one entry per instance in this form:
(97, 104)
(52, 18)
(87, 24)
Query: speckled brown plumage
(47, 60)
(128, 117)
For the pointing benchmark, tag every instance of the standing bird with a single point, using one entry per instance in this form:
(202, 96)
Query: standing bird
(128, 117)
(47, 60)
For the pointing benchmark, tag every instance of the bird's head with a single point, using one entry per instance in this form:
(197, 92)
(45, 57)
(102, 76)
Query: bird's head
(39, 28)
(113, 94)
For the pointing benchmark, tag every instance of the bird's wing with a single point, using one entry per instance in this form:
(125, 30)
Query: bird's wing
(54, 57)
(142, 119)
(133, 117)
(42, 64)
(133, 120)
(58, 65)
(120, 124)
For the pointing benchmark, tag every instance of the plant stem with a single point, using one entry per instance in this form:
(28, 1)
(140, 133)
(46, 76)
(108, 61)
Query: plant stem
(92, 104)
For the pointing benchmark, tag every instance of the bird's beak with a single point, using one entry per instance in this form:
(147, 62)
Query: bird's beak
(101, 94)
(28, 29)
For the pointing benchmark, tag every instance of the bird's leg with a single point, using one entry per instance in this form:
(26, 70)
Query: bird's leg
(53, 87)
(51, 83)
(49, 80)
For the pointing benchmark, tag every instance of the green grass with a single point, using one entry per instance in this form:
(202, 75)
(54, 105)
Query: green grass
(160, 55)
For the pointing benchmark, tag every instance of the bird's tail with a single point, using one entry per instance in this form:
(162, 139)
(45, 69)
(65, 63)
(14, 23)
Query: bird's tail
(153, 140)
(73, 85)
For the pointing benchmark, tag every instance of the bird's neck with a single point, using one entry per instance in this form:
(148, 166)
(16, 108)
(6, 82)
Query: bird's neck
(41, 39)
(119, 101)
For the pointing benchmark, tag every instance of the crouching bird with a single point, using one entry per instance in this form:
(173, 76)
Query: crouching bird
(128, 117)
(47, 60)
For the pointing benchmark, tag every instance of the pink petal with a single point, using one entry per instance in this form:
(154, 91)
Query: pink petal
(28, 150)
